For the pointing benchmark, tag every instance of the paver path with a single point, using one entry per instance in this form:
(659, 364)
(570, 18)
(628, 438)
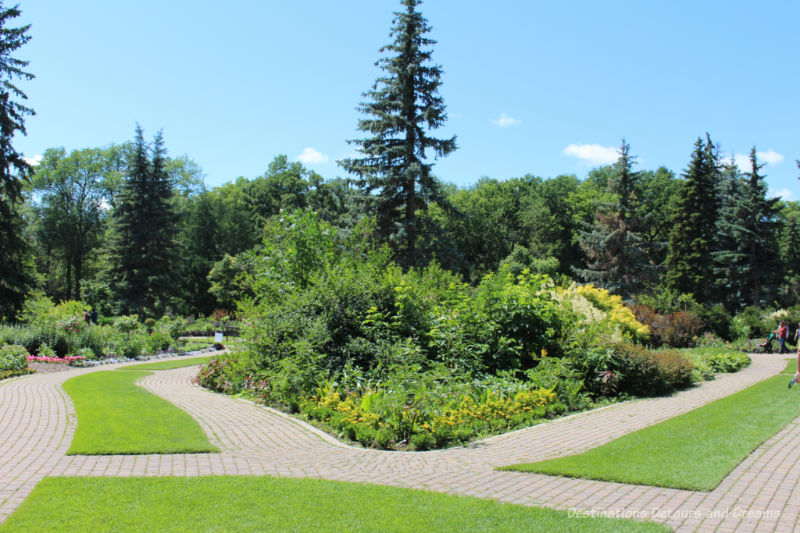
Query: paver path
(37, 422)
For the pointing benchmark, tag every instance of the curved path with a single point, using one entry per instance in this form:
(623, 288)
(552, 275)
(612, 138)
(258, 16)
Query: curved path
(37, 422)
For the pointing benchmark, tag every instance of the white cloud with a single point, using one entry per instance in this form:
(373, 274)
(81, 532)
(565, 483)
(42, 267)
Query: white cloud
(592, 153)
(742, 161)
(312, 157)
(770, 157)
(33, 161)
(786, 195)
(504, 121)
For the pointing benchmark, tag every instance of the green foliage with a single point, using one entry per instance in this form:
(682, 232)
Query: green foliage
(393, 159)
(13, 358)
(145, 226)
(620, 258)
(693, 235)
(748, 268)
(422, 410)
(156, 342)
(631, 369)
(15, 279)
(710, 361)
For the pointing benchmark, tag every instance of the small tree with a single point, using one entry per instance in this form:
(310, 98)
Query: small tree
(401, 106)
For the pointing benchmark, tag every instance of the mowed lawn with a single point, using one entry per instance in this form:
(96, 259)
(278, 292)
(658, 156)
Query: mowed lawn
(117, 417)
(694, 451)
(248, 504)
(169, 365)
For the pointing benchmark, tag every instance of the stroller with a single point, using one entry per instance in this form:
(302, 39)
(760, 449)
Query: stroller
(766, 346)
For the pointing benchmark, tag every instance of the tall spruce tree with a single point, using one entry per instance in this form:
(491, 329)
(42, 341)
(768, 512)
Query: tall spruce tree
(401, 106)
(145, 226)
(790, 254)
(748, 265)
(618, 256)
(692, 239)
(14, 170)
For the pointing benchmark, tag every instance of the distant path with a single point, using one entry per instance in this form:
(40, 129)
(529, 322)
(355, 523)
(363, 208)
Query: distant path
(761, 494)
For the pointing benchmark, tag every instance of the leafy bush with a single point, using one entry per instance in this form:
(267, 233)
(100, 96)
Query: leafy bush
(682, 329)
(710, 361)
(127, 323)
(13, 358)
(718, 320)
(156, 342)
(678, 329)
(426, 410)
(599, 314)
(632, 369)
(674, 368)
(172, 326)
(129, 345)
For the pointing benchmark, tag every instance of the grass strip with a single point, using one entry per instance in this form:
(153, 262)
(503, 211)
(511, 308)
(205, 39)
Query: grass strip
(169, 365)
(791, 367)
(224, 503)
(117, 417)
(693, 451)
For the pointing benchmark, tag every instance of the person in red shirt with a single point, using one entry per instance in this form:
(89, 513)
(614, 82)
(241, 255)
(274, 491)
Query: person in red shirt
(783, 333)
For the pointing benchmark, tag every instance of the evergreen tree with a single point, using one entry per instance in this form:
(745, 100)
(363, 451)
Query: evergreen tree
(145, 224)
(162, 247)
(14, 171)
(790, 255)
(748, 265)
(618, 256)
(402, 105)
(692, 239)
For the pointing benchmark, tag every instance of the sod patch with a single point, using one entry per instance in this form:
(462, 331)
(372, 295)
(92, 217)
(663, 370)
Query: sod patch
(693, 451)
(224, 503)
(117, 417)
(169, 365)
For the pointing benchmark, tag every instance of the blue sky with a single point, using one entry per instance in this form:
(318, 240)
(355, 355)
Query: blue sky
(532, 87)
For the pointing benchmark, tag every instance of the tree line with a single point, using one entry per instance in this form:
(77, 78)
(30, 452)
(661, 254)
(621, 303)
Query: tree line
(128, 229)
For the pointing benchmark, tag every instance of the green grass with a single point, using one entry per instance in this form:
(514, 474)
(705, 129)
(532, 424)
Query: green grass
(693, 451)
(791, 367)
(117, 417)
(275, 504)
(169, 365)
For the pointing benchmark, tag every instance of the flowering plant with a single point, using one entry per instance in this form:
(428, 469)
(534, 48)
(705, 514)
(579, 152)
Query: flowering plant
(48, 359)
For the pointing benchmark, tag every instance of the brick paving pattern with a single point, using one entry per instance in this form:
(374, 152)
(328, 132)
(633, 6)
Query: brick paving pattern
(37, 422)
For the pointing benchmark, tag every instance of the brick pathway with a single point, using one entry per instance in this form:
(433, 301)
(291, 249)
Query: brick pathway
(37, 422)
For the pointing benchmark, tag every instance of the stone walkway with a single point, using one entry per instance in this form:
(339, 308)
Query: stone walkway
(37, 422)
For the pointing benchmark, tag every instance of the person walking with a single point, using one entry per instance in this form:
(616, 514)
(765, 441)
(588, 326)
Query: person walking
(783, 333)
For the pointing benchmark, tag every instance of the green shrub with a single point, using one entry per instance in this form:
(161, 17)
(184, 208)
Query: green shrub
(126, 323)
(13, 358)
(422, 441)
(718, 320)
(129, 345)
(156, 342)
(675, 369)
(710, 361)
(46, 351)
(172, 326)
